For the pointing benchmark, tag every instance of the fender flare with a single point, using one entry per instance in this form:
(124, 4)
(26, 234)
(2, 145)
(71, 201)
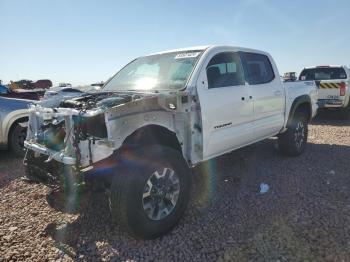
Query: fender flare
(296, 103)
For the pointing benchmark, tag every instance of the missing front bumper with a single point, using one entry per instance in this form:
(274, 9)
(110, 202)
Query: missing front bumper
(56, 155)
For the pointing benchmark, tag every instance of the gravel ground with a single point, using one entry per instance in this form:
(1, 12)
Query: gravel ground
(305, 215)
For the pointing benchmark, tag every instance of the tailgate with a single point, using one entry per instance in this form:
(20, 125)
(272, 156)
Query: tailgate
(330, 89)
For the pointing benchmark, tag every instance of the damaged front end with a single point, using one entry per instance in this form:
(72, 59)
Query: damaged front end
(86, 130)
(76, 132)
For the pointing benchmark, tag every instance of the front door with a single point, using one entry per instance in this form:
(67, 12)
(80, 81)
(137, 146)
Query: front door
(226, 105)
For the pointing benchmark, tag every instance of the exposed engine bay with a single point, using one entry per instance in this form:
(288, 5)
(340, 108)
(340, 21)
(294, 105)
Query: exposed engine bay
(101, 99)
(90, 127)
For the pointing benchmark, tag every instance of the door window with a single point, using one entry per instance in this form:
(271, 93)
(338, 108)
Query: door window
(224, 70)
(257, 68)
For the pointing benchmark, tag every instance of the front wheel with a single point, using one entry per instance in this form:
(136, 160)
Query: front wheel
(293, 141)
(149, 194)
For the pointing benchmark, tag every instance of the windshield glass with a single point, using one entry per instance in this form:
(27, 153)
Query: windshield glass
(167, 71)
(323, 73)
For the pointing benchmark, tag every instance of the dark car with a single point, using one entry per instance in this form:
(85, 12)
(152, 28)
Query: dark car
(29, 84)
(43, 84)
(34, 94)
(3, 89)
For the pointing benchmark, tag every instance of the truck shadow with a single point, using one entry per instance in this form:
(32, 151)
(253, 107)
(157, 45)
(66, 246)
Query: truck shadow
(329, 117)
(11, 167)
(228, 209)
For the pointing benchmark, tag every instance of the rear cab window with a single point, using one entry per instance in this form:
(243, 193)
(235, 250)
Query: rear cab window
(257, 68)
(323, 73)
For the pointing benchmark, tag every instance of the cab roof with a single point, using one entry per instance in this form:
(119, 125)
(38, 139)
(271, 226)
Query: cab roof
(326, 66)
(205, 47)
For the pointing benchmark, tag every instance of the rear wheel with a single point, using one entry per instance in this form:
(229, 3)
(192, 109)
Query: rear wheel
(293, 141)
(150, 193)
(17, 137)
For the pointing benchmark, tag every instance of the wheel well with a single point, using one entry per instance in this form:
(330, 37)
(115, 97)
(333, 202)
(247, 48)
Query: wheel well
(301, 104)
(19, 120)
(151, 135)
(305, 108)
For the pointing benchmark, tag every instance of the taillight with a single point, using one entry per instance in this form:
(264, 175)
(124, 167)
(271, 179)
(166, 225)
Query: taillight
(342, 89)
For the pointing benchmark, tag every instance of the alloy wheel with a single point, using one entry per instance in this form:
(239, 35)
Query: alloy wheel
(161, 193)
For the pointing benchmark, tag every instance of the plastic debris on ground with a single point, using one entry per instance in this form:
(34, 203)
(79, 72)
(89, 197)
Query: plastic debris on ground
(264, 188)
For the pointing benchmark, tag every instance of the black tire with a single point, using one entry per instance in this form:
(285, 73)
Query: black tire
(17, 136)
(293, 141)
(127, 190)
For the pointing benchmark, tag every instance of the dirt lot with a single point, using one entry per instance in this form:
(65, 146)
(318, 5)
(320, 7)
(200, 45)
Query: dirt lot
(305, 215)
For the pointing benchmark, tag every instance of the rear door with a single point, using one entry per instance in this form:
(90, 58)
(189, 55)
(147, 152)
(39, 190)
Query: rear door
(268, 94)
(226, 107)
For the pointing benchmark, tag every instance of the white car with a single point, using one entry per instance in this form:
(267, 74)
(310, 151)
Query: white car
(334, 83)
(159, 116)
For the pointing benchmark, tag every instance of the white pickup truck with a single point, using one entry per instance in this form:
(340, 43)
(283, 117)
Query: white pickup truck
(159, 116)
(334, 87)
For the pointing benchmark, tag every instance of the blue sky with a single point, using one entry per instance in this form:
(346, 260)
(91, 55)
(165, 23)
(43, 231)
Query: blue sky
(82, 42)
